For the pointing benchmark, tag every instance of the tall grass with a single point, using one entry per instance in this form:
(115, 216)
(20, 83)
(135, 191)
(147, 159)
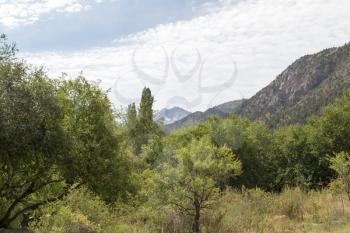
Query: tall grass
(237, 211)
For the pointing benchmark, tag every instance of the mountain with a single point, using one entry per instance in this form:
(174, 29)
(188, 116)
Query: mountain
(306, 86)
(222, 110)
(168, 116)
(303, 89)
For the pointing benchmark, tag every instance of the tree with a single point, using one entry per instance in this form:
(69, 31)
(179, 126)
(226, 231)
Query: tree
(131, 125)
(250, 142)
(192, 180)
(146, 110)
(145, 126)
(341, 165)
(152, 152)
(55, 136)
(295, 162)
(31, 140)
(141, 126)
(97, 157)
(7, 50)
(331, 129)
(131, 120)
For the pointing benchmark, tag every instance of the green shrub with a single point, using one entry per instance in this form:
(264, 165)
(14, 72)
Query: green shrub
(80, 211)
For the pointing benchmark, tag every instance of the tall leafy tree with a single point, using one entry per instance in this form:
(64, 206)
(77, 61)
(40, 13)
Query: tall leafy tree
(131, 118)
(295, 163)
(54, 137)
(192, 180)
(146, 111)
(132, 124)
(31, 140)
(141, 125)
(97, 157)
(250, 142)
(331, 132)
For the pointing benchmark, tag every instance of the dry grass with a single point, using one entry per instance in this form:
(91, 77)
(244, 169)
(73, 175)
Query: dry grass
(249, 211)
(255, 211)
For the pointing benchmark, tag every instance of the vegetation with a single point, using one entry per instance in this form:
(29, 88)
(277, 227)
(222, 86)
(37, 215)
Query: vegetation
(69, 163)
(243, 211)
(192, 180)
(341, 164)
(302, 90)
(55, 136)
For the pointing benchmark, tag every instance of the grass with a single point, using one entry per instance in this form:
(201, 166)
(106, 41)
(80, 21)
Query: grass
(255, 211)
(248, 211)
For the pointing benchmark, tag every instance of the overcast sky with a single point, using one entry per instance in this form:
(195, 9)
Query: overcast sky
(191, 53)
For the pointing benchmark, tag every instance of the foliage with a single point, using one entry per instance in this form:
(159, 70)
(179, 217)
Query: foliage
(7, 50)
(192, 181)
(69, 164)
(245, 211)
(32, 141)
(251, 143)
(296, 165)
(80, 211)
(140, 125)
(54, 136)
(341, 164)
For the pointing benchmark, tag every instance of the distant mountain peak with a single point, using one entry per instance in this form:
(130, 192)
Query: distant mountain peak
(222, 110)
(170, 115)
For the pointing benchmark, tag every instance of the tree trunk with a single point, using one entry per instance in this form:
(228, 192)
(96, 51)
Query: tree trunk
(195, 226)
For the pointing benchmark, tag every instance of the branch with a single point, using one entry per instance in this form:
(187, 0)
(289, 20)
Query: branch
(16, 201)
(40, 203)
(184, 209)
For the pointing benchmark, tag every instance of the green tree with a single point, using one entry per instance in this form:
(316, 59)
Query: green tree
(31, 141)
(131, 120)
(192, 180)
(145, 125)
(140, 126)
(131, 125)
(152, 152)
(331, 129)
(54, 137)
(341, 165)
(97, 157)
(251, 143)
(7, 50)
(146, 111)
(295, 162)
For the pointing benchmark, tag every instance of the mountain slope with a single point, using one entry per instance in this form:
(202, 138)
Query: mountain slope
(310, 83)
(222, 110)
(168, 116)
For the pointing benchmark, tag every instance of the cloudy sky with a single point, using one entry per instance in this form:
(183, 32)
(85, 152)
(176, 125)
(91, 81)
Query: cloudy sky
(191, 53)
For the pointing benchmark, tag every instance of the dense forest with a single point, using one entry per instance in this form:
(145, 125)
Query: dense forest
(71, 162)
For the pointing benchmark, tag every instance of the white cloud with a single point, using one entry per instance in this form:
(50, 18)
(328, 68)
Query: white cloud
(258, 37)
(14, 13)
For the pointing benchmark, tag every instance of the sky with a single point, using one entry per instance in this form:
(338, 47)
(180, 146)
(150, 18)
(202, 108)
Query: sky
(191, 53)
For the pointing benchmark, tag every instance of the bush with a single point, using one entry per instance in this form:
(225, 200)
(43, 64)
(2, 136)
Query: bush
(68, 221)
(81, 211)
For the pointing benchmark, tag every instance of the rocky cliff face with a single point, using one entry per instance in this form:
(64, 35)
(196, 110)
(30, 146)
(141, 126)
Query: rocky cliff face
(307, 85)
